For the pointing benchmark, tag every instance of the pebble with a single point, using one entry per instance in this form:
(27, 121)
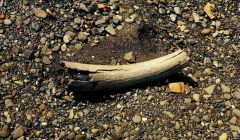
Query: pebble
(39, 13)
(7, 22)
(233, 120)
(8, 103)
(177, 10)
(77, 20)
(225, 89)
(169, 114)
(234, 128)
(110, 30)
(162, 11)
(82, 36)
(100, 21)
(71, 114)
(195, 119)
(4, 132)
(50, 114)
(137, 119)
(218, 81)
(35, 26)
(210, 89)
(173, 17)
(196, 17)
(78, 47)
(206, 31)
(71, 136)
(178, 87)
(236, 112)
(196, 97)
(66, 39)
(20, 83)
(83, 7)
(46, 60)
(106, 126)
(80, 137)
(117, 133)
(208, 9)
(63, 47)
(95, 131)
(164, 138)
(177, 125)
(223, 136)
(28, 54)
(18, 132)
(129, 57)
(129, 20)
(236, 94)
(116, 6)
(162, 103)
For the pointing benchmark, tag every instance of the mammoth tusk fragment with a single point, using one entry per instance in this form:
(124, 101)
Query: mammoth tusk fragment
(107, 77)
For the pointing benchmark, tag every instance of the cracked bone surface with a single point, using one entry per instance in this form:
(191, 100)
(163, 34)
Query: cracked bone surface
(108, 77)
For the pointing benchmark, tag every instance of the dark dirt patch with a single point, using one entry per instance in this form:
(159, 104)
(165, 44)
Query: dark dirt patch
(143, 40)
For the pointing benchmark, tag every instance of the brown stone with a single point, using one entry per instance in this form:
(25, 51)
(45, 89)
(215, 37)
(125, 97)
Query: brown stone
(206, 31)
(178, 87)
(39, 13)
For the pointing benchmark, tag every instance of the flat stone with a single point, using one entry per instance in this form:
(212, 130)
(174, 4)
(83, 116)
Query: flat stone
(39, 13)
(137, 119)
(18, 132)
(110, 30)
(177, 87)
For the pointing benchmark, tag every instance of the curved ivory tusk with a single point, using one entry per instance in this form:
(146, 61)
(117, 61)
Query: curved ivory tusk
(105, 77)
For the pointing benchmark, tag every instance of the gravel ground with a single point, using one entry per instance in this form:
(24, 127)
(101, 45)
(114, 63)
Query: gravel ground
(35, 102)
